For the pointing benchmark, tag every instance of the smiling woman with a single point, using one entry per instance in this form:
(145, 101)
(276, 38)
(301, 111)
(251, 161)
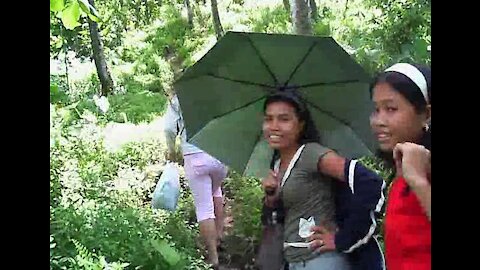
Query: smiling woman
(281, 126)
(402, 97)
(300, 193)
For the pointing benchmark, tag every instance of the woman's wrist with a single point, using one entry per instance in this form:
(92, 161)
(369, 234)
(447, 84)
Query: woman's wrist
(419, 183)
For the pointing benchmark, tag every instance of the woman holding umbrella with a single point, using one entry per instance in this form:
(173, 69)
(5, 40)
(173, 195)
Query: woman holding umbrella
(303, 182)
(229, 86)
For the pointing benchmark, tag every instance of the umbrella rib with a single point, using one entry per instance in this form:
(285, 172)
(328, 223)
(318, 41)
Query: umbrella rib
(239, 81)
(228, 79)
(328, 83)
(300, 63)
(327, 112)
(262, 60)
(236, 109)
(336, 118)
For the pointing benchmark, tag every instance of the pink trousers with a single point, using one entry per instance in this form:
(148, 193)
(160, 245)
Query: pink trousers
(205, 175)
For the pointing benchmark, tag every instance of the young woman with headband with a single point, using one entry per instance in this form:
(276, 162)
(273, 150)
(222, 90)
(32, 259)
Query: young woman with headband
(401, 123)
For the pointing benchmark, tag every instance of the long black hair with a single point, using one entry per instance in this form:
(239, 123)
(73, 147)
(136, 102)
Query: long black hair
(411, 91)
(292, 97)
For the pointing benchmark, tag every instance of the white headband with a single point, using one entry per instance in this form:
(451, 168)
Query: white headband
(413, 74)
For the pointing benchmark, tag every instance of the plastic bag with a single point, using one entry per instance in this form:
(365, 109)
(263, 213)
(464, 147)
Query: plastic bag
(305, 226)
(165, 195)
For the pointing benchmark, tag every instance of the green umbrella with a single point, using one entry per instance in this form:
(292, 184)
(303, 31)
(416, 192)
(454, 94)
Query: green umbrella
(222, 96)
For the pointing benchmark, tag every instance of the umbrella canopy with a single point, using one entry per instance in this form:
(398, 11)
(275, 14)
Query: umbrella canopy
(222, 96)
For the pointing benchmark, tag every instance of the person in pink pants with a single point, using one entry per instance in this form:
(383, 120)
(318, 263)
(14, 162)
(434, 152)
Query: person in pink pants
(205, 175)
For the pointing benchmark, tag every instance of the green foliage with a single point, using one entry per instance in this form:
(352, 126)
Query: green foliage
(70, 15)
(247, 195)
(153, 73)
(159, 53)
(63, 40)
(57, 5)
(137, 105)
(270, 20)
(140, 154)
(58, 92)
(321, 28)
(172, 37)
(123, 16)
(86, 260)
(169, 32)
(380, 33)
(70, 12)
(117, 18)
(118, 231)
(101, 200)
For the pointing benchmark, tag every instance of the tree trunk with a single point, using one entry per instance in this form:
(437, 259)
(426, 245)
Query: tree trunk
(216, 20)
(345, 10)
(66, 69)
(138, 14)
(314, 10)
(65, 48)
(99, 56)
(300, 11)
(147, 12)
(189, 13)
(286, 4)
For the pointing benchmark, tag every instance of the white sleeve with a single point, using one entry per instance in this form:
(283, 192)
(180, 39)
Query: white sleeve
(170, 127)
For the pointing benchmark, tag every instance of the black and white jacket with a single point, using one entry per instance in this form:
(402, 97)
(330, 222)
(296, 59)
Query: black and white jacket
(359, 202)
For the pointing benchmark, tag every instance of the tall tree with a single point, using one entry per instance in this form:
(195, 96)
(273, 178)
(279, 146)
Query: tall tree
(99, 56)
(286, 4)
(345, 10)
(300, 13)
(216, 20)
(148, 17)
(314, 10)
(189, 13)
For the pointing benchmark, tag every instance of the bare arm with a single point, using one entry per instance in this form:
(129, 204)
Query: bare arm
(423, 190)
(362, 190)
(333, 165)
(413, 163)
(170, 128)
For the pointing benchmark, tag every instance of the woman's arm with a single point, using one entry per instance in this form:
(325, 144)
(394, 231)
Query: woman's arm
(362, 198)
(413, 162)
(423, 190)
(333, 165)
(170, 128)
